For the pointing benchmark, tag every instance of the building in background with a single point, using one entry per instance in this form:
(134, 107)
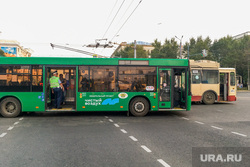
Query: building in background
(12, 48)
(241, 35)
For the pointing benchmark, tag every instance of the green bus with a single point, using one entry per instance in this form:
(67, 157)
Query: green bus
(135, 86)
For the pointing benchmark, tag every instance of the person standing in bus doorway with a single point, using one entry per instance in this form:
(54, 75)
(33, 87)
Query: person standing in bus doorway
(56, 86)
(64, 83)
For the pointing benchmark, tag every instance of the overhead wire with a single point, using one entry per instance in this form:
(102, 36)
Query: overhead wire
(111, 12)
(113, 19)
(126, 20)
(126, 11)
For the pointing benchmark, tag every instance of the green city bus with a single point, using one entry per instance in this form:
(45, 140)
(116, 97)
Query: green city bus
(135, 86)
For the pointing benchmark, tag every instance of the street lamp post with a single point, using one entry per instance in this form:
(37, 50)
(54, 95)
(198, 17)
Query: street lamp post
(180, 45)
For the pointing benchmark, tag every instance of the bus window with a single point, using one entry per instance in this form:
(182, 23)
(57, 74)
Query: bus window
(15, 78)
(196, 76)
(210, 76)
(137, 79)
(84, 82)
(37, 79)
(232, 78)
(102, 78)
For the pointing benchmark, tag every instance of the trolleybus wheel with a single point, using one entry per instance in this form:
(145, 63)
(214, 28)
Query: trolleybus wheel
(209, 98)
(139, 107)
(10, 107)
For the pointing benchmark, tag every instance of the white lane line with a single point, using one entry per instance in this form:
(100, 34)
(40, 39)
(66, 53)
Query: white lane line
(10, 128)
(163, 163)
(133, 138)
(215, 127)
(16, 123)
(110, 120)
(106, 117)
(185, 118)
(124, 131)
(3, 134)
(116, 125)
(146, 148)
(21, 119)
(199, 122)
(240, 134)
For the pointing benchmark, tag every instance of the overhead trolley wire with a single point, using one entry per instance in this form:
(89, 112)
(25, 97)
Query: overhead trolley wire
(113, 18)
(111, 12)
(126, 11)
(126, 20)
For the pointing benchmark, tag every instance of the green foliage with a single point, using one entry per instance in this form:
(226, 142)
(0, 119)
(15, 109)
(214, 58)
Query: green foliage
(1, 53)
(128, 52)
(196, 46)
(168, 50)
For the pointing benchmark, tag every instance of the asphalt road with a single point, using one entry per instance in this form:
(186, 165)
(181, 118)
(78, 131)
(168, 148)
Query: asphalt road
(113, 139)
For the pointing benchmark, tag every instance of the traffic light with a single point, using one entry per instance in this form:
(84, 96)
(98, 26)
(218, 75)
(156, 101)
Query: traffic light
(204, 53)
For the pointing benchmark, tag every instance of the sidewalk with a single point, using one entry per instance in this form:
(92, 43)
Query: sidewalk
(243, 91)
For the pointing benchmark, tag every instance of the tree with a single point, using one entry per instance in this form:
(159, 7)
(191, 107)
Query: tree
(195, 47)
(168, 50)
(128, 52)
(1, 53)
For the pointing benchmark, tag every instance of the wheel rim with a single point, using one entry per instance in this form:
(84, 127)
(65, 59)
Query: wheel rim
(10, 107)
(209, 97)
(139, 107)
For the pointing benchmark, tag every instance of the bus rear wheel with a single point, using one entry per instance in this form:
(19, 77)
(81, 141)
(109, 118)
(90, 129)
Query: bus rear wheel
(10, 107)
(139, 107)
(209, 98)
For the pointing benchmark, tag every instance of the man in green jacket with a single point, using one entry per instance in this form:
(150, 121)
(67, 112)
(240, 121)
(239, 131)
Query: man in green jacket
(57, 88)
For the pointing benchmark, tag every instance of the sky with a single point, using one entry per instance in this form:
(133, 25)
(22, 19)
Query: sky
(77, 23)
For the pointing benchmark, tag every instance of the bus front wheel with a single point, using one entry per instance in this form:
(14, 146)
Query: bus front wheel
(209, 98)
(10, 107)
(139, 107)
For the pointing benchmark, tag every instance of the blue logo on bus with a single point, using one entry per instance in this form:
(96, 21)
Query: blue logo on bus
(110, 101)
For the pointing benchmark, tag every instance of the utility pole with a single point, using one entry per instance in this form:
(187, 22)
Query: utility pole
(248, 73)
(135, 50)
(180, 45)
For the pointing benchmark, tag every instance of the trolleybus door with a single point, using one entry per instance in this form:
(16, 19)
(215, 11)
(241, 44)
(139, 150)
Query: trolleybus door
(69, 73)
(165, 85)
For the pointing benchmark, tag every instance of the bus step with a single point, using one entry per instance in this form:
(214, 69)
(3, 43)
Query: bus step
(172, 109)
(63, 109)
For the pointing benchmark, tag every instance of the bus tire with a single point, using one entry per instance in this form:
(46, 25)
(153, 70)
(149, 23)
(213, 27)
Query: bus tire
(209, 98)
(10, 107)
(139, 107)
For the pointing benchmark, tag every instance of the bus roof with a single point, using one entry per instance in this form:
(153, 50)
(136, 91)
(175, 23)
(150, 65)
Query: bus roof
(227, 69)
(204, 64)
(92, 61)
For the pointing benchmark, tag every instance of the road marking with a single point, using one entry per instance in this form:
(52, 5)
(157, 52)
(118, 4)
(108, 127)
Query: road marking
(106, 117)
(215, 127)
(10, 128)
(3, 134)
(124, 131)
(185, 118)
(146, 148)
(199, 122)
(16, 123)
(239, 134)
(133, 138)
(116, 125)
(21, 119)
(110, 120)
(163, 163)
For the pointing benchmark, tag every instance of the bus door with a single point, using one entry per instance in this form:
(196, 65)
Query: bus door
(69, 95)
(224, 86)
(165, 88)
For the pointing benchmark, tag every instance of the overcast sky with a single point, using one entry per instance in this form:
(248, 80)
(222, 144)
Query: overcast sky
(36, 23)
